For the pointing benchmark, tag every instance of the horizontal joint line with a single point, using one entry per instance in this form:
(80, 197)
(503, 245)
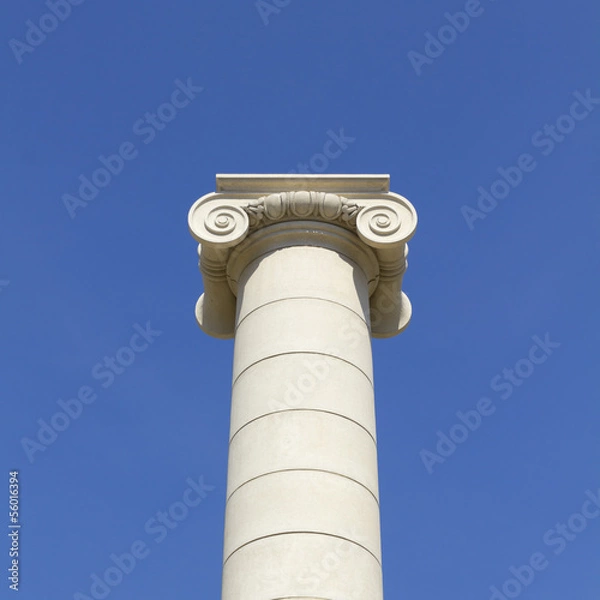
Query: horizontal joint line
(264, 537)
(301, 470)
(318, 410)
(302, 352)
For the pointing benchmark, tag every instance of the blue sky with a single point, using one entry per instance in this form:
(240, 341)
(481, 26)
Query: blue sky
(509, 105)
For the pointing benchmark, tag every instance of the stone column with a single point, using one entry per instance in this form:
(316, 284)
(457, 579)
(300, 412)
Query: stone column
(302, 271)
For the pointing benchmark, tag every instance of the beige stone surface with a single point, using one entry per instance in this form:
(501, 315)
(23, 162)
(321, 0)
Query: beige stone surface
(270, 278)
(301, 325)
(302, 565)
(301, 501)
(310, 382)
(303, 439)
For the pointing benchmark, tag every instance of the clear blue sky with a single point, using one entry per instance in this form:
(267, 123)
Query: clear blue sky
(79, 277)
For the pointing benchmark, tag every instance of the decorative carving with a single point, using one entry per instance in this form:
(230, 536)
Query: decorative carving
(225, 223)
(302, 205)
(385, 224)
(218, 222)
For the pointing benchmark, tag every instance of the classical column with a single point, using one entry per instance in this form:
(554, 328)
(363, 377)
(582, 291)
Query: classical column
(302, 271)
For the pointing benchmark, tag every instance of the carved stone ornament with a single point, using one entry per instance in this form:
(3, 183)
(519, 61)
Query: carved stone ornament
(302, 205)
(244, 204)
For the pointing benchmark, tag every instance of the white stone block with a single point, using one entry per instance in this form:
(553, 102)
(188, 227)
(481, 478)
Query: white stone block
(302, 565)
(301, 501)
(317, 273)
(303, 439)
(309, 381)
(302, 325)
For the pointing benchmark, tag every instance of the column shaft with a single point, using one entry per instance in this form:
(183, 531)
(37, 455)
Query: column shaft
(302, 514)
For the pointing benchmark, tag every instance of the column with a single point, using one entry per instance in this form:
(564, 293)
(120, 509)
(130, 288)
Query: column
(302, 271)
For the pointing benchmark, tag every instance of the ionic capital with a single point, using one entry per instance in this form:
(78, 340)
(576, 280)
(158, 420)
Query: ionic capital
(360, 204)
